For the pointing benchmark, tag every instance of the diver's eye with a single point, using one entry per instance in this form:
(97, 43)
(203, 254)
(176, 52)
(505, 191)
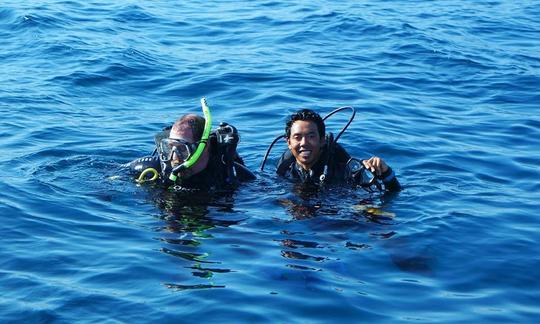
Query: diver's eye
(175, 157)
(183, 150)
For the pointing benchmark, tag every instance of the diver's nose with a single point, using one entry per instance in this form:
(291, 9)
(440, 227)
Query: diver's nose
(176, 159)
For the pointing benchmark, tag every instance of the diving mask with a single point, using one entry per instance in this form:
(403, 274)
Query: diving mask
(175, 150)
(362, 176)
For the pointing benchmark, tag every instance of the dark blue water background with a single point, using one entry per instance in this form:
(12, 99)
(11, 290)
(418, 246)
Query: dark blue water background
(446, 91)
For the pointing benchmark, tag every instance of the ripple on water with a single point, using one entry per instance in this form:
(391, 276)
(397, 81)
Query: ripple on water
(447, 97)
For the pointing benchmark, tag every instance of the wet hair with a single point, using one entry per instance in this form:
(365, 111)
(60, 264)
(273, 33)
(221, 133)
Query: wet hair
(192, 121)
(305, 115)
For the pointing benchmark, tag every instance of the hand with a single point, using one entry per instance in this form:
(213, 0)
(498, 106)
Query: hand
(376, 165)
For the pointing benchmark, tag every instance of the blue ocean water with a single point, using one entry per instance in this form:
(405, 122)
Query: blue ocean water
(447, 92)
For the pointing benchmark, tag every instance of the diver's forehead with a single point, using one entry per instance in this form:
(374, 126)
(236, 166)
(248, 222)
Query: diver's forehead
(183, 134)
(303, 127)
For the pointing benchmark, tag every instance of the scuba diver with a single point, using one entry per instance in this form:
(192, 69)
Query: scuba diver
(189, 156)
(316, 158)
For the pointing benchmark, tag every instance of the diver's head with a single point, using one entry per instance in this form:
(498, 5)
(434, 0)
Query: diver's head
(182, 142)
(305, 115)
(304, 131)
(189, 126)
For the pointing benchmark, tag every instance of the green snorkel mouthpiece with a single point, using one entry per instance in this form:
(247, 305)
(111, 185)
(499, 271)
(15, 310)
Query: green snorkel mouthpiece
(200, 148)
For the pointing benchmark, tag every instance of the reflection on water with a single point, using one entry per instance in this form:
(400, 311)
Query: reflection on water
(308, 201)
(338, 209)
(326, 230)
(187, 224)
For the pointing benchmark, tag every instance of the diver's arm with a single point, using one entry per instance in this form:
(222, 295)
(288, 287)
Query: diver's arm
(137, 166)
(243, 173)
(383, 172)
(390, 180)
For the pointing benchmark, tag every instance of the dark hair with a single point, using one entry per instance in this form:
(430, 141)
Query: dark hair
(195, 122)
(306, 115)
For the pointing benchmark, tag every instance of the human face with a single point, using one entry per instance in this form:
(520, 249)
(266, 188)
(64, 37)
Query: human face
(184, 136)
(187, 136)
(305, 143)
(176, 150)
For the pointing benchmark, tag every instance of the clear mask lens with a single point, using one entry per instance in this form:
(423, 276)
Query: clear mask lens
(172, 150)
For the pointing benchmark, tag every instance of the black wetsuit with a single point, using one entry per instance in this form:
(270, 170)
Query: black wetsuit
(334, 160)
(217, 173)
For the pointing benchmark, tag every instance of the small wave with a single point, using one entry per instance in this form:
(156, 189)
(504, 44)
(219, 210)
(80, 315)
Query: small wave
(349, 28)
(42, 21)
(134, 14)
(7, 16)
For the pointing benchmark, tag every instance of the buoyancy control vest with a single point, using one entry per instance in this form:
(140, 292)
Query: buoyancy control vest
(225, 166)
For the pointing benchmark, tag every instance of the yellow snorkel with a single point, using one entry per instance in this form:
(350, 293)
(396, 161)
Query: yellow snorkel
(200, 148)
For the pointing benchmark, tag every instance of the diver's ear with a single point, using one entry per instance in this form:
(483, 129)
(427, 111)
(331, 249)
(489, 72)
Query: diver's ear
(288, 142)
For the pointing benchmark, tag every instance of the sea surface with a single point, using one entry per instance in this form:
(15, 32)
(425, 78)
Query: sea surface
(447, 92)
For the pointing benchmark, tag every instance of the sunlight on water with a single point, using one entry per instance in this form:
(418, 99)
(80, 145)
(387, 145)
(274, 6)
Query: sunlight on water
(446, 92)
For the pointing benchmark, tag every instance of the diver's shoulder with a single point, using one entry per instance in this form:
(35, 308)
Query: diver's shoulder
(340, 153)
(285, 162)
(243, 173)
(142, 163)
